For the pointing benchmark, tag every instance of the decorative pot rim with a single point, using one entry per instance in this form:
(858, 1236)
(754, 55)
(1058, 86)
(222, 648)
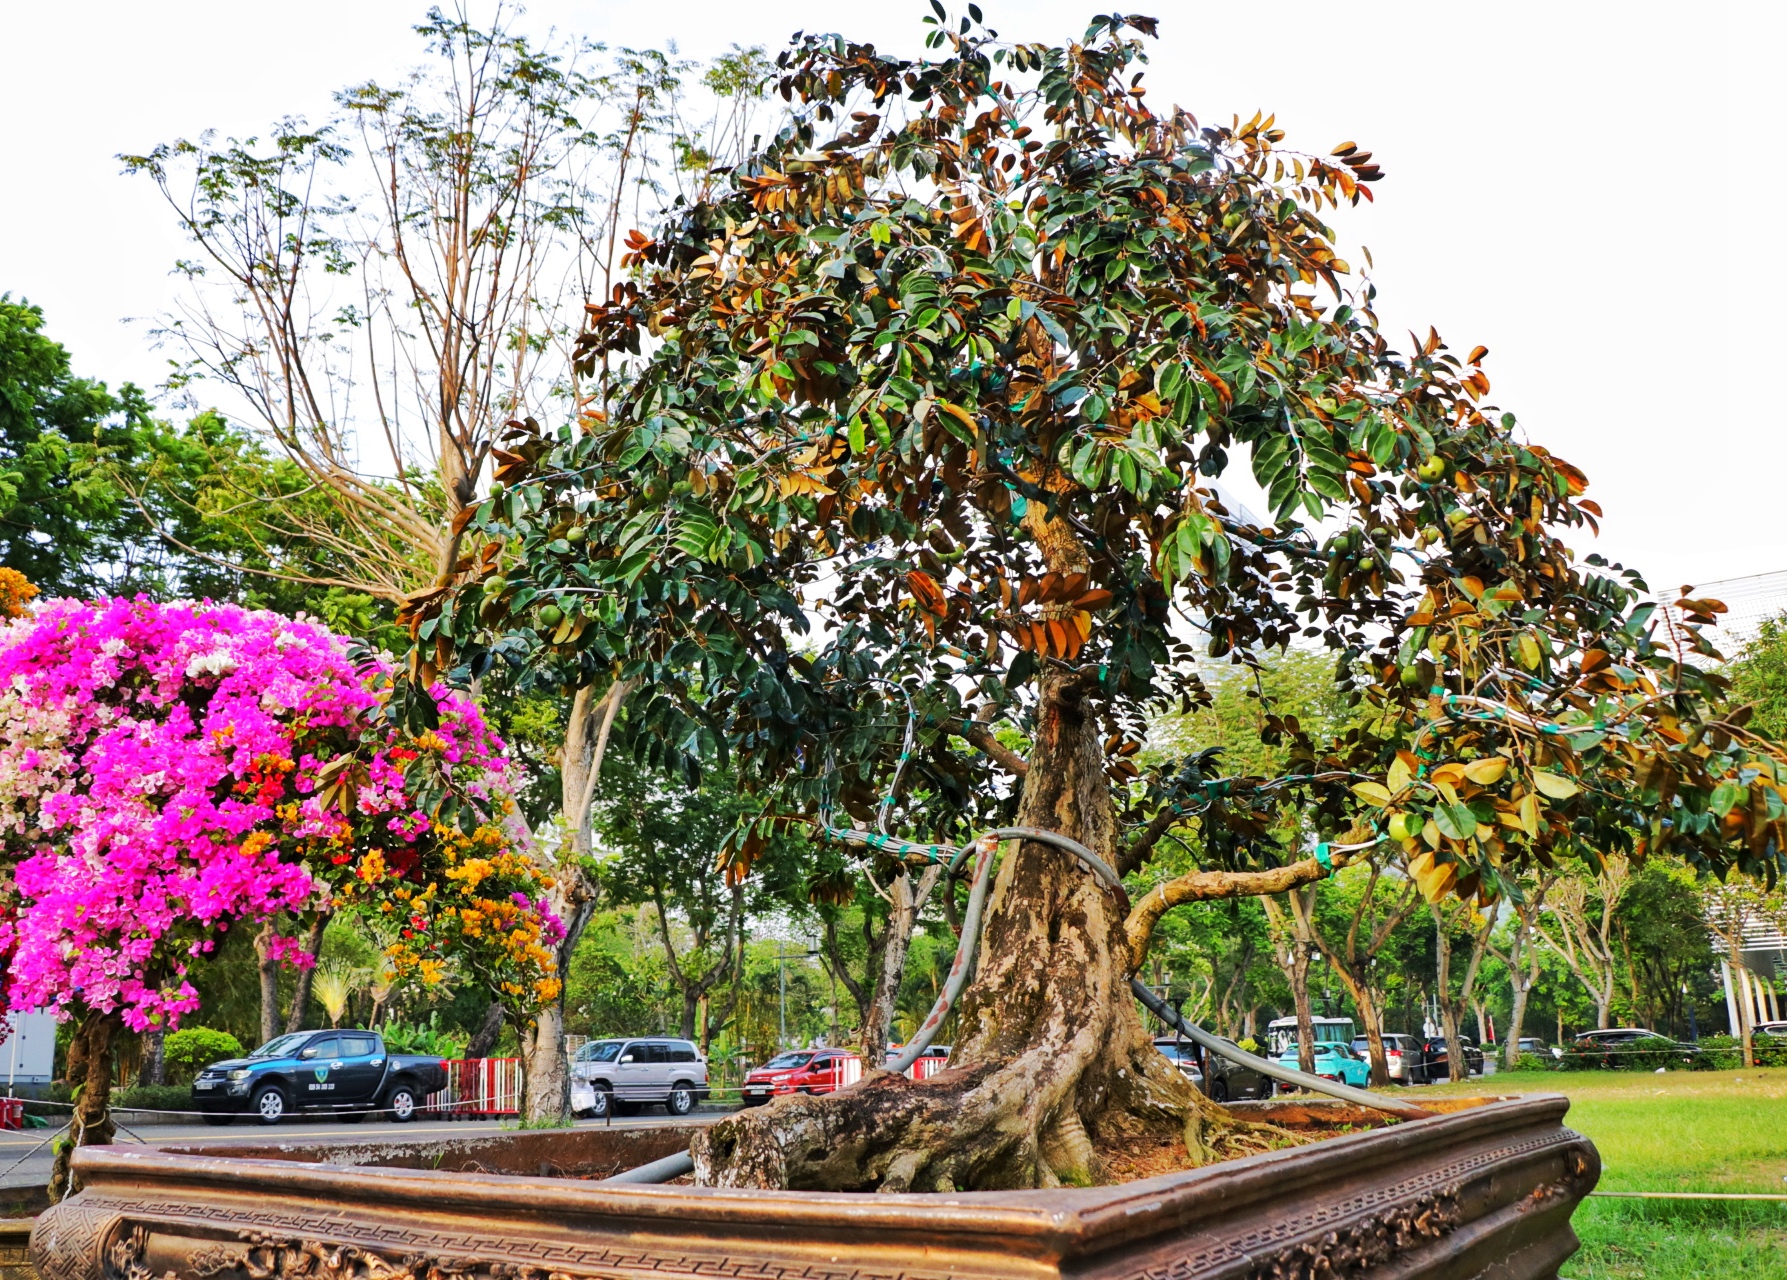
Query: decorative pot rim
(1054, 1223)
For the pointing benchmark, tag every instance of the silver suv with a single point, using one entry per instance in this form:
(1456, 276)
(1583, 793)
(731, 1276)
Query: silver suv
(628, 1074)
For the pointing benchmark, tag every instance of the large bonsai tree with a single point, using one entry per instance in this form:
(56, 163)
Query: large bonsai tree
(926, 402)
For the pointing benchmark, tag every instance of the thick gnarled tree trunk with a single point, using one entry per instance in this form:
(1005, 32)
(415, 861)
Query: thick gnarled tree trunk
(90, 1124)
(1052, 1061)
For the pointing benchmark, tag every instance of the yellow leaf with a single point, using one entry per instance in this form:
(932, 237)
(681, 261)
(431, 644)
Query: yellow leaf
(1487, 770)
(1400, 775)
(1449, 774)
(1529, 814)
(1554, 786)
(1374, 793)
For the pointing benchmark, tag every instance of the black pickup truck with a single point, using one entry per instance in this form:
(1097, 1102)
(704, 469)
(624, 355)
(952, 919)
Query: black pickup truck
(318, 1071)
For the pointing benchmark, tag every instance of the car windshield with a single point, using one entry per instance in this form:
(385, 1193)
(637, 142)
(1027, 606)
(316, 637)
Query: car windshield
(600, 1051)
(1172, 1050)
(281, 1046)
(784, 1060)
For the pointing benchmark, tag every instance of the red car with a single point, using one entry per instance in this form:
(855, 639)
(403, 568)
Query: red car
(802, 1071)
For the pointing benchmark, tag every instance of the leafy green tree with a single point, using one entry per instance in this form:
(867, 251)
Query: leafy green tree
(945, 369)
(1759, 677)
(664, 841)
(62, 524)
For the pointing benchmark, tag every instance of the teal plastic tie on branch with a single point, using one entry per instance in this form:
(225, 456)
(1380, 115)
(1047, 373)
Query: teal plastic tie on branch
(1325, 856)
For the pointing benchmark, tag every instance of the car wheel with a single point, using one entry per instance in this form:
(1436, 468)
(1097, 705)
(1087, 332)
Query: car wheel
(269, 1104)
(1219, 1091)
(603, 1104)
(218, 1117)
(400, 1103)
(681, 1100)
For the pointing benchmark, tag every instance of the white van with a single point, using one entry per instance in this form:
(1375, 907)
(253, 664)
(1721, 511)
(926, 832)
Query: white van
(628, 1074)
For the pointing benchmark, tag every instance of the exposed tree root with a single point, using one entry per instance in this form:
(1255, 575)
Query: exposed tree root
(980, 1128)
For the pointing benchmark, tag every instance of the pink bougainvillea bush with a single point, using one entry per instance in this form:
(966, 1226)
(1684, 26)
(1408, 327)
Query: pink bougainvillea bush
(167, 771)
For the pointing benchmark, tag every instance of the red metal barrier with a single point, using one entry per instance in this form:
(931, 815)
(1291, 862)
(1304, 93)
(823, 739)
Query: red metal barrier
(925, 1068)
(12, 1113)
(478, 1087)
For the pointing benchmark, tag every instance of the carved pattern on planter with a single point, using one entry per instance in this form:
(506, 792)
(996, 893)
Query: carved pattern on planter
(70, 1236)
(1406, 1213)
(427, 1255)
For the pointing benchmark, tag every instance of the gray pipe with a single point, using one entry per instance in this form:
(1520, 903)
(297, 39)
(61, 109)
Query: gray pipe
(1266, 1067)
(657, 1171)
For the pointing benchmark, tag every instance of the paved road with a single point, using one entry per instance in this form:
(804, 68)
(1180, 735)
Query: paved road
(25, 1156)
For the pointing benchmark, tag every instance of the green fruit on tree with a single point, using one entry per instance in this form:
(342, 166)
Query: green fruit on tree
(495, 585)
(1432, 469)
(1403, 827)
(576, 534)
(1411, 676)
(551, 615)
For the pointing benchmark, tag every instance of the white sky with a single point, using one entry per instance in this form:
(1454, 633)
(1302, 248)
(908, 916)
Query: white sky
(1566, 183)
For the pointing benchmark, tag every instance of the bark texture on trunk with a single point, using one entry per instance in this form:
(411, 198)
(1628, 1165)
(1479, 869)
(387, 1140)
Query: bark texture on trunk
(90, 1124)
(489, 1031)
(906, 898)
(313, 946)
(1052, 1061)
(547, 1089)
(268, 965)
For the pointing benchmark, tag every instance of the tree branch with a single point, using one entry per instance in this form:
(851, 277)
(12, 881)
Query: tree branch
(979, 736)
(1212, 886)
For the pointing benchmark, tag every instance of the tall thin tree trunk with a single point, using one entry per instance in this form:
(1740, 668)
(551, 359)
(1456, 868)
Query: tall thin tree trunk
(489, 1031)
(267, 964)
(313, 946)
(548, 1094)
(905, 901)
(155, 1062)
(1456, 1067)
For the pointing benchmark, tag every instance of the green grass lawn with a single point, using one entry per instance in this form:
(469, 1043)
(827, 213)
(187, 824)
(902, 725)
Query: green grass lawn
(1684, 1131)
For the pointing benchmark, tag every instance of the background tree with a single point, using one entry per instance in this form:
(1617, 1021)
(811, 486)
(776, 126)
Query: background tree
(1454, 923)
(664, 840)
(945, 367)
(62, 525)
(1577, 924)
(1521, 956)
(379, 294)
(1351, 921)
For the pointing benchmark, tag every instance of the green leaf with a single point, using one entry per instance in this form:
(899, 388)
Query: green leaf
(1455, 820)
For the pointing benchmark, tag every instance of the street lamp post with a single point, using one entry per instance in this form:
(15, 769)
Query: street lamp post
(782, 957)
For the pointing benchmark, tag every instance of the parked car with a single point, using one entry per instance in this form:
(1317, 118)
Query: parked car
(1184, 1055)
(340, 1071)
(1439, 1058)
(1403, 1054)
(1613, 1044)
(628, 1074)
(1231, 1081)
(1333, 1061)
(800, 1071)
(1532, 1044)
(1771, 1029)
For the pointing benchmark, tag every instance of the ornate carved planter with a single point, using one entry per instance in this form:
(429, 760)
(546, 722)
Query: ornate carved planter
(1486, 1191)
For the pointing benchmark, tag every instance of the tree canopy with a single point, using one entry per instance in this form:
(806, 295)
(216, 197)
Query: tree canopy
(933, 391)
